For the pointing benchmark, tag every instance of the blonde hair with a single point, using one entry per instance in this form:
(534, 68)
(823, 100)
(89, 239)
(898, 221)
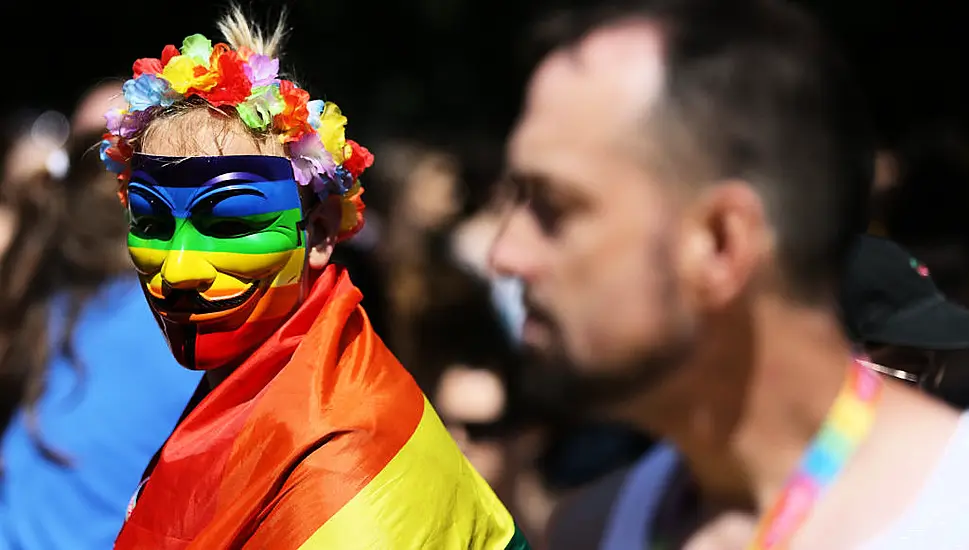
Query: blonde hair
(239, 32)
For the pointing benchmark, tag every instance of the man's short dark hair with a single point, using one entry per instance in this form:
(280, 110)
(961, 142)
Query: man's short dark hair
(757, 93)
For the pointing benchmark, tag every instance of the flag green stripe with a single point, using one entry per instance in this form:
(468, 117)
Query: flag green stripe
(518, 541)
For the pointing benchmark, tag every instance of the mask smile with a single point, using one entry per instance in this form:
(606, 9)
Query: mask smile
(196, 307)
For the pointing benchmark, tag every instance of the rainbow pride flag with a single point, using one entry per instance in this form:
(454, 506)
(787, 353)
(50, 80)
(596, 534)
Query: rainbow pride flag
(320, 440)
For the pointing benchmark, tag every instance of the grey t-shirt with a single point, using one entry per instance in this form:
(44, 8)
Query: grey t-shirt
(937, 520)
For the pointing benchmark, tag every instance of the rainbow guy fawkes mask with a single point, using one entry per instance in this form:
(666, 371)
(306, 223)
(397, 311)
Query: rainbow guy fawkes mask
(219, 248)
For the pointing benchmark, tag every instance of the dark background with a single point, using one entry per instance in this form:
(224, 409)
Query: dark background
(442, 70)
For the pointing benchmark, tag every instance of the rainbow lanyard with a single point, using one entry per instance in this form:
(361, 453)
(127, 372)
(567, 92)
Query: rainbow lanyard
(846, 426)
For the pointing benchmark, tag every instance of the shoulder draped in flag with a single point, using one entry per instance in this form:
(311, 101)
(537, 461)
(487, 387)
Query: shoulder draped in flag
(320, 440)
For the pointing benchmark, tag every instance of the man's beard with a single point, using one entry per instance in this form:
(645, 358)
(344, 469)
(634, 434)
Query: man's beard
(549, 388)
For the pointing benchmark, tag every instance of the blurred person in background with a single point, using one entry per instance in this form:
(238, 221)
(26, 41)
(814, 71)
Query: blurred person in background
(427, 191)
(441, 321)
(926, 210)
(883, 189)
(102, 389)
(307, 433)
(897, 316)
(893, 313)
(680, 236)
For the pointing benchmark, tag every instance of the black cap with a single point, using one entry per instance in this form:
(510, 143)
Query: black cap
(888, 297)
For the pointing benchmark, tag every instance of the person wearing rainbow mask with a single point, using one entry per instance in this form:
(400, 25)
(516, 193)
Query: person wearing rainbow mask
(308, 434)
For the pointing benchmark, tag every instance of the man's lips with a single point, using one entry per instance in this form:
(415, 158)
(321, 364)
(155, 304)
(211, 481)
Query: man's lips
(537, 327)
(191, 302)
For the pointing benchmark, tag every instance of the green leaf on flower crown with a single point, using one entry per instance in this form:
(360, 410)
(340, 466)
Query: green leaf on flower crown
(258, 110)
(198, 48)
(254, 115)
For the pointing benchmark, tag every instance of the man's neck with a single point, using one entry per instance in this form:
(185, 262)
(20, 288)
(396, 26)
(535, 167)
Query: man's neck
(751, 401)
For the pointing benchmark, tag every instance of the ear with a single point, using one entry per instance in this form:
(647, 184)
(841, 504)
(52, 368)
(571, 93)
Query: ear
(322, 228)
(727, 237)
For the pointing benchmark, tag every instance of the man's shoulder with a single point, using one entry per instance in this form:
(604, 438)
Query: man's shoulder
(618, 506)
(580, 520)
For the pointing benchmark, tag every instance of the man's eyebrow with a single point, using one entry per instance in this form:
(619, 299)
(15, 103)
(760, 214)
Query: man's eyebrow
(530, 184)
(524, 183)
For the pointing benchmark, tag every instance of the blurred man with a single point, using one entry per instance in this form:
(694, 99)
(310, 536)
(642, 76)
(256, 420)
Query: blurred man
(891, 309)
(690, 176)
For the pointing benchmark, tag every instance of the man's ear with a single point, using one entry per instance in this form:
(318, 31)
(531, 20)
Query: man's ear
(322, 228)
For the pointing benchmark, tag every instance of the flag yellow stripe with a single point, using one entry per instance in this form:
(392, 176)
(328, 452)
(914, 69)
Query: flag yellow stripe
(427, 497)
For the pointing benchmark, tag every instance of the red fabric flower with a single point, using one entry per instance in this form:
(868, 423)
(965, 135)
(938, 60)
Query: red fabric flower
(121, 152)
(360, 159)
(147, 65)
(294, 120)
(168, 53)
(233, 85)
(151, 65)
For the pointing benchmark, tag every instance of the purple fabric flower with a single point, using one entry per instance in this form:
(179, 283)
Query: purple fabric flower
(124, 124)
(113, 120)
(306, 169)
(313, 165)
(261, 70)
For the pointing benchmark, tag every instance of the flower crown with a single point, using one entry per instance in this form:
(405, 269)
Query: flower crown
(312, 131)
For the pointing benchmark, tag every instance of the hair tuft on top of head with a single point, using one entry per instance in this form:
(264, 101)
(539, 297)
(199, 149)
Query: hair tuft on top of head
(240, 32)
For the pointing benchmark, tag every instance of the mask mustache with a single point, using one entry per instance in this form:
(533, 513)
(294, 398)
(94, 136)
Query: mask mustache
(190, 301)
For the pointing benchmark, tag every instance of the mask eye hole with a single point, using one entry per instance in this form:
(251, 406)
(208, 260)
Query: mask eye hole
(148, 216)
(230, 228)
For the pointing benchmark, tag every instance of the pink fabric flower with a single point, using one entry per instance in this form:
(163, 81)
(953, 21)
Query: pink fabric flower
(312, 164)
(261, 69)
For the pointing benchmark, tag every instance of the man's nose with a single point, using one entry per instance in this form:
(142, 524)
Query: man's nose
(515, 251)
(187, 270)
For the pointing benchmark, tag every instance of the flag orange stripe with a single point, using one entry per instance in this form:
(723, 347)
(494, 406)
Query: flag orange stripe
(371, 407)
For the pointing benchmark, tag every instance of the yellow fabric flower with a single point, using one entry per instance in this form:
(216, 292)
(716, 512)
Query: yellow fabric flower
(180, 74)
(332, 132)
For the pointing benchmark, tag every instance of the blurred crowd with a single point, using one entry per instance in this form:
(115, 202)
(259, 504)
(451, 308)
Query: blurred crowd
(421, 262)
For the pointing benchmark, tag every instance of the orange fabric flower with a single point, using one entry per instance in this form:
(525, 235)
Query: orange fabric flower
(294, 120)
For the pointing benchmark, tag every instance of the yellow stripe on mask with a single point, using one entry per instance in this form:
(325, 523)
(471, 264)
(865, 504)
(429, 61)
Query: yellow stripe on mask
(428, 496)
(219, 273)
